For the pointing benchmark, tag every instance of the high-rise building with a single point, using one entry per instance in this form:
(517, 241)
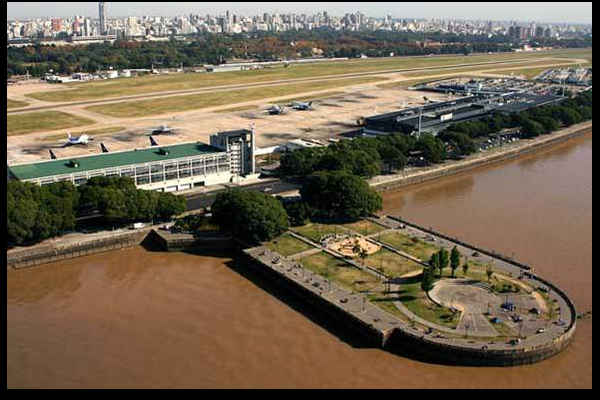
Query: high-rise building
(102, 17)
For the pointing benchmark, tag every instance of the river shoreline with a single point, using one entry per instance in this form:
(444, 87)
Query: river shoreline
(391, 182)
(77, 246)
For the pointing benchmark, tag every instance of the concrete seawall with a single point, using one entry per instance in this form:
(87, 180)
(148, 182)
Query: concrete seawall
(401, 181)
(405, 341)
(333, 312)
(36, 255)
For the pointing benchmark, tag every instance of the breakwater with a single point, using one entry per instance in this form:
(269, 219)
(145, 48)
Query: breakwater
(410, 336)
(556, 138)
(43, 254)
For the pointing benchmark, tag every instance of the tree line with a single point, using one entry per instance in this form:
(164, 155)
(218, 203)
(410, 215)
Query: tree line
(211, 48)
(38, 212)
(362, 156)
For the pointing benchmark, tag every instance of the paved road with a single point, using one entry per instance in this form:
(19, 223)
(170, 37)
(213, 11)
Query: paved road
(202, 200)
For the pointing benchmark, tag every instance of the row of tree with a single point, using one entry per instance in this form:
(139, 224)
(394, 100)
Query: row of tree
(365, 157)
(38, 212)
(439, 261)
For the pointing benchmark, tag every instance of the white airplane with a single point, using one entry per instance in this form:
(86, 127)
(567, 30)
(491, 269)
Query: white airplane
(73, 140)
(300, 105)
(276, 110)
(163, 129)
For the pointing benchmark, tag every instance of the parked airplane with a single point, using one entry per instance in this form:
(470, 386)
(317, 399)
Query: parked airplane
(300, 105)
(163, 130)
(276, 109)
(52, 155)
(73, 140)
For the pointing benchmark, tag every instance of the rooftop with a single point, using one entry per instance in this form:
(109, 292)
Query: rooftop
(110, 160)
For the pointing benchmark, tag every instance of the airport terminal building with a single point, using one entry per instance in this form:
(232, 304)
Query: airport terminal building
(162, 168)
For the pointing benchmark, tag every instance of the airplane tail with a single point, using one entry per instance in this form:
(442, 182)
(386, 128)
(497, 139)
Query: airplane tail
(152, 141)
(68, 135)
(103, 147)
(310, 103)
(52, 155)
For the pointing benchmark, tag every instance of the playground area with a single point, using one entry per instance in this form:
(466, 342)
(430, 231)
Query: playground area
(353, 246)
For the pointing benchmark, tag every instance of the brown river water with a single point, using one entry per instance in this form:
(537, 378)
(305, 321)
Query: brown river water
(136, 318)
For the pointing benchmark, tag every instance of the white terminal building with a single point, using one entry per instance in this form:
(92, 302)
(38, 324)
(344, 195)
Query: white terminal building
(229, 159)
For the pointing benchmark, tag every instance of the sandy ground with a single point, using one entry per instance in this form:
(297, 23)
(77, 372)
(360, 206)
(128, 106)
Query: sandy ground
(331, 116)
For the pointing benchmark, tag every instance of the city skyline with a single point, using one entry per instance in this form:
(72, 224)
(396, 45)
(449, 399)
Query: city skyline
(569, 13)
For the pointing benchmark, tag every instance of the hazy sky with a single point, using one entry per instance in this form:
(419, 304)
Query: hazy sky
(542, 12)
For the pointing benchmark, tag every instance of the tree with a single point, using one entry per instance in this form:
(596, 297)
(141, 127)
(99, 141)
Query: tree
(427, 279)
(169, 205)
(443, 260)
(299, 213)
(434, 261)
(248, 215)
(339, 195)
(433, 148)
(465, 267)
(531, 128)
(454, 260)
(489, 271)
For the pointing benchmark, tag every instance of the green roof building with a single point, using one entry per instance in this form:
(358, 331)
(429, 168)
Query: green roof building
(163, 168)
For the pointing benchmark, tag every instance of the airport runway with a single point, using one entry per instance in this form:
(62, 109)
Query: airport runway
(272, 83)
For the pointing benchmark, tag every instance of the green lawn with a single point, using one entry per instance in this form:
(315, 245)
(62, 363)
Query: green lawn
(413, 246)
(18, 124)
(314, 231)
(364, 227)
(151, 83)
(393, 265)
(15, 104)
(142, 108)
(342, 273)
(287, 245)
(413, 297)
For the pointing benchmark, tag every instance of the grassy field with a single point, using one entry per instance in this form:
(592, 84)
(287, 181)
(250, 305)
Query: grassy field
(364, 227)
(344, 274)
(15, 104)
(18, 124)
(198, 101)
(314, 231)
(182, 81)
(286, 245)
(413, 298)
(413, 246)
(392, 264)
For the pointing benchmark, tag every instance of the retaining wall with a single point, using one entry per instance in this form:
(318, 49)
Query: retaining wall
(322, 306)
(440, 352)
(426, 349)
(47, 254)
